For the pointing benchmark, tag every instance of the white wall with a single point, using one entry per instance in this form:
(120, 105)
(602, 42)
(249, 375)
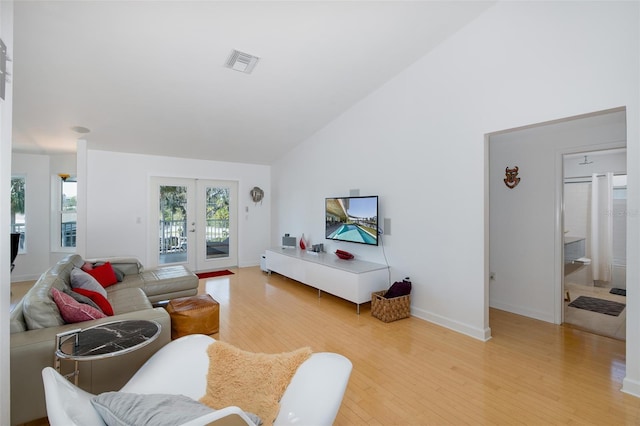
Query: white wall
(419, 142)
(35, 260)
(6, 110)
(38, 171)
(117, 195)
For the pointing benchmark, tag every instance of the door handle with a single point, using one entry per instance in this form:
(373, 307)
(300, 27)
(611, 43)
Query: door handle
(192, 230)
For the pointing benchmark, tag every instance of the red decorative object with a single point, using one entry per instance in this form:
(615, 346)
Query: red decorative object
(303, 246)
(344, 254)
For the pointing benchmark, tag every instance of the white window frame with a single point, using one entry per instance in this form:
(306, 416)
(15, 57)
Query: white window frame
(56, 216)
(22, 248)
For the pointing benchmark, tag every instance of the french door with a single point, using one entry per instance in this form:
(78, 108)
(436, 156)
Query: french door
(193, 222)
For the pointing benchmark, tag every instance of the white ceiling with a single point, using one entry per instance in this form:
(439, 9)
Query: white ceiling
(149, 76)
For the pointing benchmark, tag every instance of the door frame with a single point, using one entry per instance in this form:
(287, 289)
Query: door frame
(196, 259)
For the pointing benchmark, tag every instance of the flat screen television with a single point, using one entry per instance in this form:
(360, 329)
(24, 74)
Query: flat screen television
(352, 219)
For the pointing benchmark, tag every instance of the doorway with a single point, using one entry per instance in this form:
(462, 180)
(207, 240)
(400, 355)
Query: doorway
(525, 264)
(594, 229)
(193, 222)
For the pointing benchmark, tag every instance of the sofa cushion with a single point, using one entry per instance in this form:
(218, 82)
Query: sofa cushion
(129, 300)
(96, 298)
(38, 307)
(64, 267)
(128, 265)
(17, 322)
(168, 279)
(80, 279)
(72, 311)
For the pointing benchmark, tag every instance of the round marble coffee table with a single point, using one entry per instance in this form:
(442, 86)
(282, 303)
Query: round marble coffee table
(104, 341)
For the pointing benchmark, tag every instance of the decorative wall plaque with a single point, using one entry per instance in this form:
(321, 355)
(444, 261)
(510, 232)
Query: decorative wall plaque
(511, 179)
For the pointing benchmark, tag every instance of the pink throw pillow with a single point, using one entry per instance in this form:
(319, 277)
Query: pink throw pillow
(72, 311)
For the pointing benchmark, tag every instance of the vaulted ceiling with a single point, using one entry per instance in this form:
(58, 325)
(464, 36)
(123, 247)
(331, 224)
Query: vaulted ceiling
(149, 76)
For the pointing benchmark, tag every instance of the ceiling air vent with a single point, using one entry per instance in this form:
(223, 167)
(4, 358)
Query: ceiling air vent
(242, 62)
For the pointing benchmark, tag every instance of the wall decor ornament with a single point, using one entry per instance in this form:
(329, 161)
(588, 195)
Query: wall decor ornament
(257, 194)
(511, 177)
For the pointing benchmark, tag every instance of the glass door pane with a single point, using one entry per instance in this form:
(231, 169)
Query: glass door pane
(217, 223)
(172, 227)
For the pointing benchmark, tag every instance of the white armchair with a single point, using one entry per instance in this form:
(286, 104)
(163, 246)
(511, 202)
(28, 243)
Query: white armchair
(313, 396)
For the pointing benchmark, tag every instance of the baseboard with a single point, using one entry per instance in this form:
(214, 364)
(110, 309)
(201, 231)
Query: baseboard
(21, 278)
(459, 327)
(519, 310)
(632, 387)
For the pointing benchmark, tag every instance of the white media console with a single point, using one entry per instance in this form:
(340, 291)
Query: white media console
(352, 280)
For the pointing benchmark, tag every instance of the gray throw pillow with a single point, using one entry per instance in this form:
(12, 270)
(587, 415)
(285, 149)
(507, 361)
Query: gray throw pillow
(80, 279)
(121, 408)
(119, 274)
(130, 409)
(80, 298)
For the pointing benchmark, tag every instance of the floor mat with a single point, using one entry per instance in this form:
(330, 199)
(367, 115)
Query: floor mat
(619, 291)
(601, 306)
(214, 274)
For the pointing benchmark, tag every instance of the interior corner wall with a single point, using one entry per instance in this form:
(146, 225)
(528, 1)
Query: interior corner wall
(6, 113)
(117, 195)
(31, 264)
(38, 169)
(419, 141)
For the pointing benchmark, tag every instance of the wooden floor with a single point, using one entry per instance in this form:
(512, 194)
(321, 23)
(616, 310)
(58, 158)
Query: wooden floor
(411, 372)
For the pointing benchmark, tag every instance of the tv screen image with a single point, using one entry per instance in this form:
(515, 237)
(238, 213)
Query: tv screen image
(352, 219)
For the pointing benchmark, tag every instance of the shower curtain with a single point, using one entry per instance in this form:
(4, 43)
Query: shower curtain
(602, 226)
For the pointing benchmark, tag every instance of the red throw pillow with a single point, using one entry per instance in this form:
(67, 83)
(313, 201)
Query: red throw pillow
(104, 274)
(98, 299)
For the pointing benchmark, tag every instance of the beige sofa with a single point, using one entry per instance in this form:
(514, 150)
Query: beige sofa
(36, 320)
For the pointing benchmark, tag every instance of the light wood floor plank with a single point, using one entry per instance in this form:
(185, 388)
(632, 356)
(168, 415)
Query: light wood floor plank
(411, 372)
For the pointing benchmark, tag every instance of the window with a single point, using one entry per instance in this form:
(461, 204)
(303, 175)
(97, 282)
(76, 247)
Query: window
(65, 210)
(18, 216)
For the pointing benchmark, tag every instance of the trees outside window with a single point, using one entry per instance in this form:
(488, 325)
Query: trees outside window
(18, 216)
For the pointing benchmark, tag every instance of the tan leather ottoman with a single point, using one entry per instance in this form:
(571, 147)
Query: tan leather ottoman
(194, 315)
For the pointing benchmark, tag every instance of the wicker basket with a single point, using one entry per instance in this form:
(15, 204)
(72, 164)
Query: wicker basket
(388, 310)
